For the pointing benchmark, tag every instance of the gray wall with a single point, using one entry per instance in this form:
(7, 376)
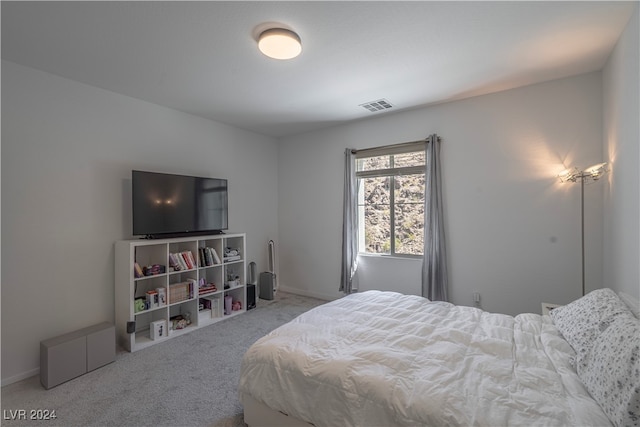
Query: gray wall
(67, 154)
(513, 228)
(622, 189)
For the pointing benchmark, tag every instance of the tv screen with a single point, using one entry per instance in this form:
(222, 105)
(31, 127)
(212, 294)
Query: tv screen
(166, 204)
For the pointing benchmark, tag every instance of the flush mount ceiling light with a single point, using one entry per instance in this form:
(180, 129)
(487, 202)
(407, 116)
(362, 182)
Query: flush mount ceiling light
(279, 43)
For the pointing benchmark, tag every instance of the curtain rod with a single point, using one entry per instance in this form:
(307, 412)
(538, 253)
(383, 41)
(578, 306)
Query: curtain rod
(400, 144)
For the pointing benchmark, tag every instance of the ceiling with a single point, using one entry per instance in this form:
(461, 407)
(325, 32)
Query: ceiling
(202, 57)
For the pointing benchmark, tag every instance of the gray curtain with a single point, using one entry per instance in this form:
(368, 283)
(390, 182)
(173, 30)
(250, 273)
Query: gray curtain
(349, 225)
(434, 264)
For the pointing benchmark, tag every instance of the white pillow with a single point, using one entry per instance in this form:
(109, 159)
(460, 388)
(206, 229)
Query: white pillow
(610, 371)
(581, 321)
(632, 303)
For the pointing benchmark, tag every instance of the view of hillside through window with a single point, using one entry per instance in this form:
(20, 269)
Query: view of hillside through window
(391, 204)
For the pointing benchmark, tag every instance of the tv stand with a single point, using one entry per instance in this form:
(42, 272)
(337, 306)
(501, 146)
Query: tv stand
(188, 291)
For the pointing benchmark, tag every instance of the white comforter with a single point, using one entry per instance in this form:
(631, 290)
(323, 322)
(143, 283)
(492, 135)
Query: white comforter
(386, 359)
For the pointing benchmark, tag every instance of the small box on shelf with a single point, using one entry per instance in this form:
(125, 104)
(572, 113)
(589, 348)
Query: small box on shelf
(162, 296)
(152, 299)
(204, 314)
(214, 304)
(158, 329)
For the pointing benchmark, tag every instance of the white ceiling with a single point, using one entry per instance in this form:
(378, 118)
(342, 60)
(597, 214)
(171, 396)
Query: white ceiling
(202, 57)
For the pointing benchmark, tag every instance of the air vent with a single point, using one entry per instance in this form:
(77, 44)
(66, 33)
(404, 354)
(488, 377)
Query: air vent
(379, 105)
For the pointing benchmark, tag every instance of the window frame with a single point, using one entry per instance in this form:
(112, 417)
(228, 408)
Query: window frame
(391, 172)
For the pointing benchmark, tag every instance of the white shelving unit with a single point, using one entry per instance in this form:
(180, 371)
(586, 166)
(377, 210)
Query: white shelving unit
(197, 305)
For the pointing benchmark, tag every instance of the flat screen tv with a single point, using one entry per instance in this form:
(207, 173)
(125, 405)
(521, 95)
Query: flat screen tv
(167, 205)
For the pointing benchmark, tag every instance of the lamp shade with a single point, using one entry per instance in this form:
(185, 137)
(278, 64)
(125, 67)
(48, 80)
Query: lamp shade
(596, 171)
(279, 43)
(569, 175)
(592, 173)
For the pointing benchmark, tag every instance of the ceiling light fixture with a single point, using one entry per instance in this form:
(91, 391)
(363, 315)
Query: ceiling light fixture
(279, 43)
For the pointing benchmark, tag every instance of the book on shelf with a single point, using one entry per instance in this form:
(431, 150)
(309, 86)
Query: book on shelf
(214, 254)
(207, 289)
(192, 287)
(205, 257)
(137, 270)
(202, 257)
(208, 257)
(174, 261)
(187, 258)
(232, 258)
(181, 291)
(181, 261)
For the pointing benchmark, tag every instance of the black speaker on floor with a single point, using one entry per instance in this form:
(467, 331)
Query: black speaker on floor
(251, 296)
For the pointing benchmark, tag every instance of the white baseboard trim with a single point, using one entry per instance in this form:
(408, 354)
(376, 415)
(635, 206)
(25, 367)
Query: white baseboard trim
(307, 293)
(20, 377)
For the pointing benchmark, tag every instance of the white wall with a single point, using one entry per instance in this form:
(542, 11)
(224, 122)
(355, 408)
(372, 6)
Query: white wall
(67, 154)
(621, 142)
(513, 229)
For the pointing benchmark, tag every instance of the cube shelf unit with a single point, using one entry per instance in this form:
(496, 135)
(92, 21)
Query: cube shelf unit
(203, 308)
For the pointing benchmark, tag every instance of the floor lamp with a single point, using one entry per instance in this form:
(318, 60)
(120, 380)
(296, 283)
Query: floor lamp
(590, 174)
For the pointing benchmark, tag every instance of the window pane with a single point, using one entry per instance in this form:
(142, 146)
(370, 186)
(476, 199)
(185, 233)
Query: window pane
(409, 189)
(377, 229)
(409, 214)
(374, 163)
(376, 190)
(409, 228)
(377, 215)
(409, 159)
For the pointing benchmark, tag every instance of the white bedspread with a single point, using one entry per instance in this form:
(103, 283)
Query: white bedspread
(386, 359)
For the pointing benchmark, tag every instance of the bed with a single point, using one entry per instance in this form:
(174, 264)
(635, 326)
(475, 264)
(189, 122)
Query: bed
(386, 359)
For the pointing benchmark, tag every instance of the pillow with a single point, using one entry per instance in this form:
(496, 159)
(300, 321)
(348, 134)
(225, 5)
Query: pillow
(632, 303)
(581, 321)
(610, 371)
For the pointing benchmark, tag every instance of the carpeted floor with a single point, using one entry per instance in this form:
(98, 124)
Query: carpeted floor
(190, 380)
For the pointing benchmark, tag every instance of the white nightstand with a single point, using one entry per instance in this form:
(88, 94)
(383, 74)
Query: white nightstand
(547, 307)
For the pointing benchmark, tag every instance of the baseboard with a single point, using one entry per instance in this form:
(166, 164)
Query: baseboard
(307, 293)
(20, 377)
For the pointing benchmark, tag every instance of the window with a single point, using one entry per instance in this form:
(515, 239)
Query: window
(391, 200)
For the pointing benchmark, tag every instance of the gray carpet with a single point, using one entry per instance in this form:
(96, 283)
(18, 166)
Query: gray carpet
(190, 380)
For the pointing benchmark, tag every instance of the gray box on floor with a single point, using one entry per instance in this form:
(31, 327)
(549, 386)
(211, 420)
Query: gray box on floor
(70, 355)
(267, 285)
